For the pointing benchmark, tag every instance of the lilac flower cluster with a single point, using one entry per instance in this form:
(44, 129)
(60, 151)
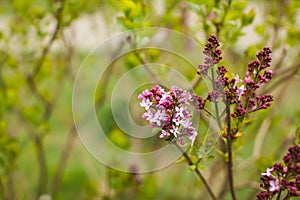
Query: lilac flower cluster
(168, 110)
(241, 94)
(212, 55)
(282, 179)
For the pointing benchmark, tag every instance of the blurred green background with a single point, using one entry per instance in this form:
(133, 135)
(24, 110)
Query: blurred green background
(43, 43)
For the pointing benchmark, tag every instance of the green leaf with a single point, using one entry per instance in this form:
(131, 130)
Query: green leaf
(238, 5)
(248, 17)
(124, 23)
(201, 167)
(192, 167)
(131, 61)
(119, 138)
(211, 157)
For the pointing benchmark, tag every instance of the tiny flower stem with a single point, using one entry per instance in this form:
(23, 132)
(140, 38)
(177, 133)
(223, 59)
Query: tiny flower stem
(216, 105)
(209, 113)
(279, 194)
(199, 174)
(229, 150)
(246, 105)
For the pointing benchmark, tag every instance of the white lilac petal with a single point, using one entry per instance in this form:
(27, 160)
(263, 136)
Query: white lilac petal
(164, 134)
(237, 79)
(165, 98)
(274, 185)
(179, 112)
(247, 78)
(175, 131)
(159, 117)
(268, 173)
(176, 120)
(148, 115)
(191, 133)
(185, 123)
(174, 88)
(193, 137)
(146, 103)
(241, 91)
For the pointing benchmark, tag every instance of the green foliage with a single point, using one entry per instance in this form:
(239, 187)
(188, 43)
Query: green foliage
(40, 53)
(135, 13)
(9, 152)
(119, 138)
(297, 134)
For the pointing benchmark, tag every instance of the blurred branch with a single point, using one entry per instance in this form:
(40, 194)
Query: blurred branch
(219, 25)
(285, 75)
(67, 149)
(69, 144)
(280, 61)
(46, 49)
(62, 163)
(40, 61)
(147, 68)
(143, 61)
(184, 17)
(229, 151)
(196, 81)
(277, 25)
(40, 152)
(199, 174)
(48, 105)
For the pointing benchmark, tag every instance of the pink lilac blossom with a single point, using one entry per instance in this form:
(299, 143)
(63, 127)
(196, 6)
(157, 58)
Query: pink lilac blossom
(168, 110)
(282, 178)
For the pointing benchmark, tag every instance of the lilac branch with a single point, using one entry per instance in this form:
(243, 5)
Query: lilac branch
(199, 174)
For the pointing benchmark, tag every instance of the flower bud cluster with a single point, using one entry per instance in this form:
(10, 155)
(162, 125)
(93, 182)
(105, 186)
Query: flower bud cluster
(168, 110)
(242, 94)
(212, 55)
(282, 178)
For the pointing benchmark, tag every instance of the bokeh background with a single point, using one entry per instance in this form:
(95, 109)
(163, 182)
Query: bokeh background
(44, 42)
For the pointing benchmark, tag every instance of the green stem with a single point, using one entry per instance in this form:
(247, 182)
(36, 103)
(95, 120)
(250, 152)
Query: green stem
(279, 194)
(246, 105)
(229, 150)
(215, 104)
(199, 174)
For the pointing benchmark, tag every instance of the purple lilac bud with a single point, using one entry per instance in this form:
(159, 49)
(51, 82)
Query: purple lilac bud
(212, 55)
(203, 69)
(265, 57)
(263, 195)
(239, 111)
(222, 70)
(253, 66)
(241, 94)
(214, 96)
(282, 178)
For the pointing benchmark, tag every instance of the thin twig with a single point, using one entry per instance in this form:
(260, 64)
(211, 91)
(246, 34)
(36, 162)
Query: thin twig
(48, 106)
(46, 49)
(215, 103)
(69, 144)
(229, 150)
(199, 174)
(63, 162)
